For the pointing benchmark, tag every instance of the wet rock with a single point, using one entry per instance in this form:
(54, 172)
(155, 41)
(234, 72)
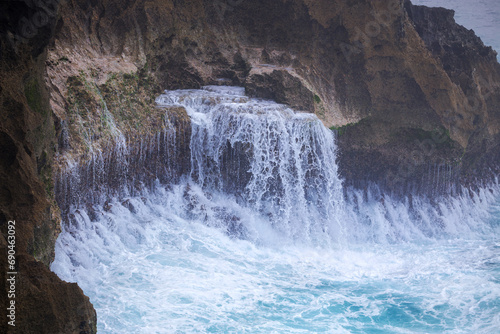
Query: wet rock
(232, 223)
(107, 206)
(414, 73)
(128, 204)
(415, 70)
(44, 303)
(39, 292)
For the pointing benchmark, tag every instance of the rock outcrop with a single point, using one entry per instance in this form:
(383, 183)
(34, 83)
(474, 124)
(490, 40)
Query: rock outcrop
(473, 68)
(435, 110)
(413, 96)
(43, 303)
(411, 92)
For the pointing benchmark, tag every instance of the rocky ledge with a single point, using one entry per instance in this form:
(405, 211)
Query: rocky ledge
(413, 97)
(410, 92)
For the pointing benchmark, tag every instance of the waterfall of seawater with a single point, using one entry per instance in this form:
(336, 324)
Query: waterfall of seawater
(278, 163)
(261, 237)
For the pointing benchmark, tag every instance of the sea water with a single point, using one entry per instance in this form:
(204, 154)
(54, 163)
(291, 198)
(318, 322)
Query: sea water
(266, 241)
(483, 16)
(155, 272)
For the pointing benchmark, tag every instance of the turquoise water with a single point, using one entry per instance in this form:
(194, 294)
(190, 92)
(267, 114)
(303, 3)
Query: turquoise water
(155, 272)
(276, 247)
(288, 254)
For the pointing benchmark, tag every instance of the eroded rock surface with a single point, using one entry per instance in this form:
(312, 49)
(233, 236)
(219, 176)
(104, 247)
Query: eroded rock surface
(413, 96)
(410, 90)
(44, 303)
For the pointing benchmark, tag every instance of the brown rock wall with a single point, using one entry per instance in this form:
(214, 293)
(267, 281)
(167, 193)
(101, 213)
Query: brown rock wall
(44, 303)
(410, 92)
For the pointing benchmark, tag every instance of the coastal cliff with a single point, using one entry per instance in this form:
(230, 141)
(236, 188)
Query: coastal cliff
(446, 122)
(410, 93)
(42, 302)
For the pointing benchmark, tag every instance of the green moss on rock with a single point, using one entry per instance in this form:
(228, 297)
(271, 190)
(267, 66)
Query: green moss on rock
(34, 96)
(341, 130)
(125, 103)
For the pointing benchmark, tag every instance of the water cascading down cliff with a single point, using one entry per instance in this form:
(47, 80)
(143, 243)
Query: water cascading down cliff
(254, 168)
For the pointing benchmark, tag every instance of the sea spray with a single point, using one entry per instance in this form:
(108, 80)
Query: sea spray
(277, 162)
(166, 266)
(260, 237)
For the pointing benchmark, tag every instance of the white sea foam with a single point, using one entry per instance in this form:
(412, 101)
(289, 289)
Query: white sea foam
(271, 245)
(153, 271)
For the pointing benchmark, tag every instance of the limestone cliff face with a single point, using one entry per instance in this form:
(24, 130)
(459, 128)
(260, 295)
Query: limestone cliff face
(449, 125)
(411, 94)
(43, 303)
(409, 90)
(474, 70)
